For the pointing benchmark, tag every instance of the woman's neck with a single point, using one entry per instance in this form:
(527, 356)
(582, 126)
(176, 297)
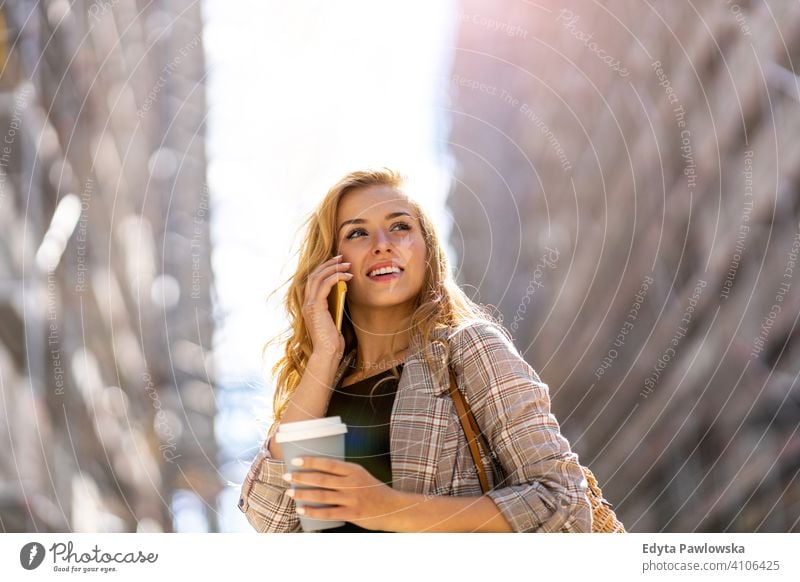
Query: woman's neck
(383, 336)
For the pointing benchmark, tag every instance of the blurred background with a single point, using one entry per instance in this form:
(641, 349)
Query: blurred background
(619, 179)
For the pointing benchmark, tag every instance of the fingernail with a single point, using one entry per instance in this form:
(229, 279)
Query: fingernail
(297, 462)
(287, 476)
(290, 492)
(301, 510)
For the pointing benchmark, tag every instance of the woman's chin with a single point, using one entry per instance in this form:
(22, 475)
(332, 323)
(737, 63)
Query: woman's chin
(385, 299)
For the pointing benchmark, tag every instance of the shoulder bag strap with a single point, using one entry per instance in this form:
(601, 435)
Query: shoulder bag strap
(471, 430)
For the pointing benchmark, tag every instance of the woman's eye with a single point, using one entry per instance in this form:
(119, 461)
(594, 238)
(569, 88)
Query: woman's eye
(352, 234)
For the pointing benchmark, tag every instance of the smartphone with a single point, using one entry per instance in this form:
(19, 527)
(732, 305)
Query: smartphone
(336, 303)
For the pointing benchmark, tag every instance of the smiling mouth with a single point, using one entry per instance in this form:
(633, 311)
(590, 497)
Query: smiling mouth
(387, 277)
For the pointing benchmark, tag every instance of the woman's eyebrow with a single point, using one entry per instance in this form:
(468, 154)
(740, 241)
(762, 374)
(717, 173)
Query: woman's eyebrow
(362, 221)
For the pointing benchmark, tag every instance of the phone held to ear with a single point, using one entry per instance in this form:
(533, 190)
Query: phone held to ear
(336, 303)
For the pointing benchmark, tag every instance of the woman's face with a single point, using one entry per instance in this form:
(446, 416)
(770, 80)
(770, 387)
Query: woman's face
(377, 226)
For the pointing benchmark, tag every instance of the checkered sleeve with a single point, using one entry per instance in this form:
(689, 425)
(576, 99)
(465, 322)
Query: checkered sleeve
(263, 497)
(544, 489)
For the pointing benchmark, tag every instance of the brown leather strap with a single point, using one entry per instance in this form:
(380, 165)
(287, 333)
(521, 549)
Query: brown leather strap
(471, 430)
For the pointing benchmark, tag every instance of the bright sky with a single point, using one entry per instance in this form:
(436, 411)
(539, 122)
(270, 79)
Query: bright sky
(301, 93)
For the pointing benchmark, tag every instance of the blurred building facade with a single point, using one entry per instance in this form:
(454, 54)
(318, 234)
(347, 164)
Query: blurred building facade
(627, 195)
(105, 279)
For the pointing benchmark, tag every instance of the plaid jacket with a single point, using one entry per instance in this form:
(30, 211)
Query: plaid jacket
(544, 488)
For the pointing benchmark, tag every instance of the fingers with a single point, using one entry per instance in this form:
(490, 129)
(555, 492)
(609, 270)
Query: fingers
(329, 282)
(322, 279)
(328, 265)
(326, 513)
(313, 479)
(318, 292)
(316, 496)
(327, 464)
(326, 272)
(329, 262)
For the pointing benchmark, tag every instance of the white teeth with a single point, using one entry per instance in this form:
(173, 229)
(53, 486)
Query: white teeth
(384, 271)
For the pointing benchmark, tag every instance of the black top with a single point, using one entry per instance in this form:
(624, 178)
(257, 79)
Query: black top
(366, 441)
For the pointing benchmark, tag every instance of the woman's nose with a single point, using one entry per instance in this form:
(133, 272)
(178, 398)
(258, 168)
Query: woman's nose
(382, 241)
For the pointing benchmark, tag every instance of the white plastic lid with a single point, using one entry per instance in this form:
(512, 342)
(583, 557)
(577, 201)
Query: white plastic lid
(310, 429)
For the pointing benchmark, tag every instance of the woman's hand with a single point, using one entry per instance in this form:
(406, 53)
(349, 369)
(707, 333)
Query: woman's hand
(361, 498)
(325, 338)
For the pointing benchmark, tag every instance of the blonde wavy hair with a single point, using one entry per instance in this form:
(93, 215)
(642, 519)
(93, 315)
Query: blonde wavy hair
(440, 304)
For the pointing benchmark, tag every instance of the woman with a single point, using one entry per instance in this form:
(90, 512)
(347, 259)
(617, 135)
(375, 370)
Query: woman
(408, 467)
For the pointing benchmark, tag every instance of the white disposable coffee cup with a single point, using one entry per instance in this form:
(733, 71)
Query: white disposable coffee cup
(318, 437)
